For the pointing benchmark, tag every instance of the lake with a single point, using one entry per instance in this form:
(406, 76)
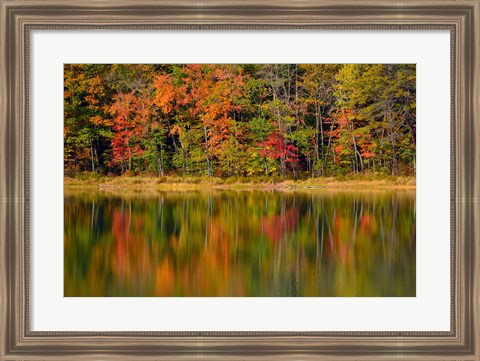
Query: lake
(244, 243)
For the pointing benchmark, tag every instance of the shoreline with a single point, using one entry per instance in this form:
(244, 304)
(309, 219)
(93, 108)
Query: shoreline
(199, 183)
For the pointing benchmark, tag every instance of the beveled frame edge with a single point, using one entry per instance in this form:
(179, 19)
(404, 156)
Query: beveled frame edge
(19, 17)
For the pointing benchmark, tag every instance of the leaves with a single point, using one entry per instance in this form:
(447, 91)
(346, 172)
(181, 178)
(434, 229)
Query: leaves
(240, 120)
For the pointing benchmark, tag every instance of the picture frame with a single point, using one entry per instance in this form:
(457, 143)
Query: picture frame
(18, 18)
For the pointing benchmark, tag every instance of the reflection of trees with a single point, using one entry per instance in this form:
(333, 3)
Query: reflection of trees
(241, 244)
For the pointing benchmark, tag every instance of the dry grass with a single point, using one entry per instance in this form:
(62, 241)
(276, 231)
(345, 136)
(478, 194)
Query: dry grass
(202, 183)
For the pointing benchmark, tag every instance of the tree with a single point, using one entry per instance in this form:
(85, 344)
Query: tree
(318, 83)
(240, 120)
(87, 129)
(139, 133)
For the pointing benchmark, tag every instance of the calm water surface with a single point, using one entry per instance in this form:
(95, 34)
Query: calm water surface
(240, 243)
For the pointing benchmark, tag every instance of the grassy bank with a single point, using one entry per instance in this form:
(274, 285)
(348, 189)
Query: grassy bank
(198, 183)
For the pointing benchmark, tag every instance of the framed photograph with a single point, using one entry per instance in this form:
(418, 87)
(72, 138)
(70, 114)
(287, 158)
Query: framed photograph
(239, 180)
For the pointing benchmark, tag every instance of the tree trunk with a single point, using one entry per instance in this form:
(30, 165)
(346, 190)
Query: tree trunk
(91, 153)
(184, 161)
(159, 157)
(392, 142)
(357, 153)
(283, 170)
(130, 159)
(319, 142)
(209, 166)
(325, 158)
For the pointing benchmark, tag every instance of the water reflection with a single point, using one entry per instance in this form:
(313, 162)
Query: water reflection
(240, 243)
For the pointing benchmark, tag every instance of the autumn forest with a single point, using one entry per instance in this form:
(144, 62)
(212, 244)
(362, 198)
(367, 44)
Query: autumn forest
(239, 180)
(240, 120)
